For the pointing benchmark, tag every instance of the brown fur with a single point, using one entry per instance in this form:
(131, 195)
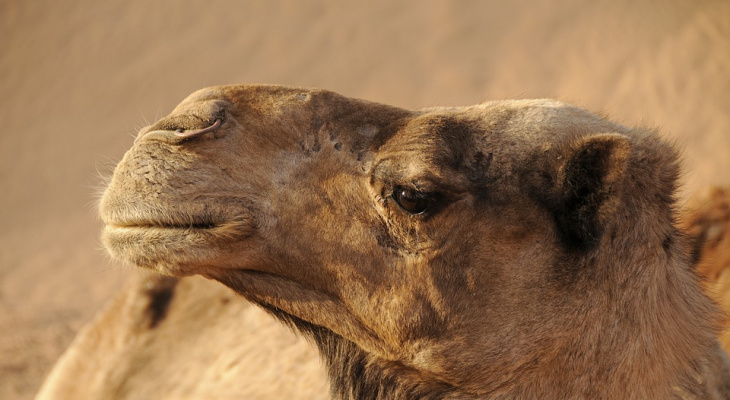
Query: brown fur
(547, 264)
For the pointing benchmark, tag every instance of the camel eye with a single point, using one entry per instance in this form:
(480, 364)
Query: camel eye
(410, 200)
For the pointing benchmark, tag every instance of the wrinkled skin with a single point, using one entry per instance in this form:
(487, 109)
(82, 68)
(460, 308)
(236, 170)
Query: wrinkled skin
(519, 249)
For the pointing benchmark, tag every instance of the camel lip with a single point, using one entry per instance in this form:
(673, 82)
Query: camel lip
(152, 219)
(228, 227)
(159, 225)
(173, 247)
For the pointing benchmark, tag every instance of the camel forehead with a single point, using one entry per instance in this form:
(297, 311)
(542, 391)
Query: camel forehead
(502, 133)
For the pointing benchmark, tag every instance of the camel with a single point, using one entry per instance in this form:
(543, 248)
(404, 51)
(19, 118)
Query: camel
(513, 249)
(123, 354)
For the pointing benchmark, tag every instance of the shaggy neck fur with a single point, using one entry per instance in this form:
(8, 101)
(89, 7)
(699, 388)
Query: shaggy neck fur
(646, 340)
(635, 363)
(637, 324)
(649, 335)
(355, 374)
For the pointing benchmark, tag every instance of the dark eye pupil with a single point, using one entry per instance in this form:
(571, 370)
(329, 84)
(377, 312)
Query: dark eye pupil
(410, 200)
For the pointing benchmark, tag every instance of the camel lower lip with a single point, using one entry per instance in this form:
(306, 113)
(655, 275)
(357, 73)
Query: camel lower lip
(150, 235)
(127, 235)
(174, 249)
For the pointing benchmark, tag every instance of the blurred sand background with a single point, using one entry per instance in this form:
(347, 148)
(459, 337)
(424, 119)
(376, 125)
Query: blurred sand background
(79, 77)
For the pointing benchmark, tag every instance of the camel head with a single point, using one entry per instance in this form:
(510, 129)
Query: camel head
(498, 248)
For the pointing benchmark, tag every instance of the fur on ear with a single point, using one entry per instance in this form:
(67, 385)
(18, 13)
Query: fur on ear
(580, 184)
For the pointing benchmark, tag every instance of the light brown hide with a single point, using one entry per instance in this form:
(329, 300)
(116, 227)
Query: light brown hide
(209, 344)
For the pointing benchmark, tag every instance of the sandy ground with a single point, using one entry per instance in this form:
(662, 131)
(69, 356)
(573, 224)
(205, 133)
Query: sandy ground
(79, 77)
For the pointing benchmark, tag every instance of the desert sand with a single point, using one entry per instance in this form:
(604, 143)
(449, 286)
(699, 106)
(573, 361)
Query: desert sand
(78, 78)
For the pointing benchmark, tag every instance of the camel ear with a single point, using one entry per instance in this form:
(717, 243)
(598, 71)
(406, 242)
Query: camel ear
(581, 185)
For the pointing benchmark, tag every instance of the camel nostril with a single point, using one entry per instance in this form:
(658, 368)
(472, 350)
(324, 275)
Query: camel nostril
(187, 135)
(178, 135)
